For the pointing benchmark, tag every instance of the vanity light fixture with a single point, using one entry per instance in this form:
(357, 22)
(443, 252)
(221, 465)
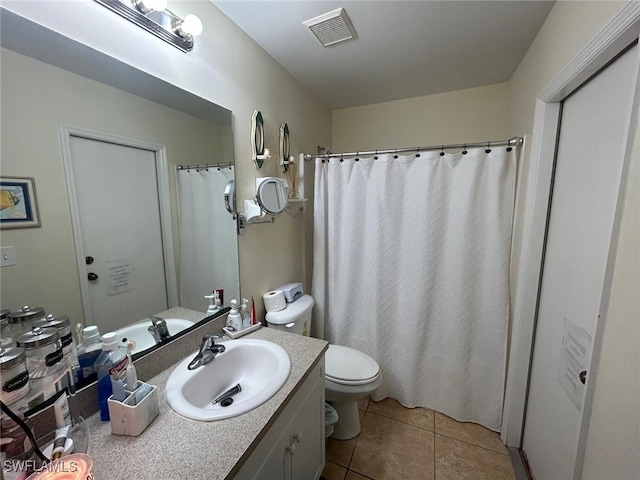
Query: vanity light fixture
(153, 16)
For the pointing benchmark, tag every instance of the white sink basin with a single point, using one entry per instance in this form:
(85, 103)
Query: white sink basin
(259, 366)
(139, 333)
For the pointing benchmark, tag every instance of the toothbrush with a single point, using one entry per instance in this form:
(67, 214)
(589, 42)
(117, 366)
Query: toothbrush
(131, 376)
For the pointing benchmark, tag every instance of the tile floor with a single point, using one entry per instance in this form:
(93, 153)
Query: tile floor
(398, 443)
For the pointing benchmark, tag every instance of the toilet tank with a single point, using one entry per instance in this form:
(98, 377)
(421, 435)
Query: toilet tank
(295, 318)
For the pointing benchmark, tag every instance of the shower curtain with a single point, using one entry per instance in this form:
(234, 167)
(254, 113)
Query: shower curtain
(208, 241)
(411, 266)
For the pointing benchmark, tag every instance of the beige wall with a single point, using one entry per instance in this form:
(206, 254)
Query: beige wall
(470, 115)
(36, 99)
(227, 68)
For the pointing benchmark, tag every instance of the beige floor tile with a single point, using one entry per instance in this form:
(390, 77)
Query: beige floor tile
(418, 417)
(333, 471)
(470, 433)
(363, 403)
(391, 450)
(456, 460)
(340, 451)
(355, 476)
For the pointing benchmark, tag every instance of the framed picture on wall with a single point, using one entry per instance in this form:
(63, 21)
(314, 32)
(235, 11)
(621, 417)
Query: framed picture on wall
(18, 203)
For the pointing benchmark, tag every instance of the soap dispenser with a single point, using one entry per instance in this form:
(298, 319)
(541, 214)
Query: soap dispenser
(214, 303)
(234, 319)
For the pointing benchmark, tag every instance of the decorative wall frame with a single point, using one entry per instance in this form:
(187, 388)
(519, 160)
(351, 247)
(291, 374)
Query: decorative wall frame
(18, 203)
(257, 139)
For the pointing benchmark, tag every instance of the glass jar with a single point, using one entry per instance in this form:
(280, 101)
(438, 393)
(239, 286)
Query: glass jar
(5, 338)
(15, 377)
(23, 320)
(15, 443)
(43, 350)
(62, 325)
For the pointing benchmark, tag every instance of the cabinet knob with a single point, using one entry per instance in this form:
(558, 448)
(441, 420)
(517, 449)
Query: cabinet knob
(291, 449)
(297, 437)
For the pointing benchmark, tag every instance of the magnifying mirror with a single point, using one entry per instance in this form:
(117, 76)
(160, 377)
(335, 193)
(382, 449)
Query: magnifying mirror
(272, 196)
(230, 197)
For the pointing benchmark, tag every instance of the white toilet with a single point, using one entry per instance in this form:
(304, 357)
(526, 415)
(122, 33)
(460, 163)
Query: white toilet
(349, 374)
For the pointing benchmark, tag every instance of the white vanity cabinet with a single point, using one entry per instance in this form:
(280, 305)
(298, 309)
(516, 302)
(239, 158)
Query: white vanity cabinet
(294, 446)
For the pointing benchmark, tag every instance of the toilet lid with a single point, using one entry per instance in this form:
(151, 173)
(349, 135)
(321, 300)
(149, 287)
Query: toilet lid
(349, 366)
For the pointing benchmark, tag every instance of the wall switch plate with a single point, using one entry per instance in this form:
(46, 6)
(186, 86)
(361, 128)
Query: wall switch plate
(8, 256)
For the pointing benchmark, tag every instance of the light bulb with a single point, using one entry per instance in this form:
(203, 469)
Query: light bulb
(191, 25)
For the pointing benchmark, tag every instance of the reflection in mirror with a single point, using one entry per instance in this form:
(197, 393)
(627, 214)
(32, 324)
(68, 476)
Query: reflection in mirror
(272, 195)
(230, 197)
(102, 98)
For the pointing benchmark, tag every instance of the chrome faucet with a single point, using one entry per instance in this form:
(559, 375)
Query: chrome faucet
(208, 351)
(158, 329)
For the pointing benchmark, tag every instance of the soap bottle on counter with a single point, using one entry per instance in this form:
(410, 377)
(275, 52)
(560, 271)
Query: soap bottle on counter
(111, 366)
(234, 319)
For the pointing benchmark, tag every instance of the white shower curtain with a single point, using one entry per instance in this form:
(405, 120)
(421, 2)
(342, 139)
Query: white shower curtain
(208, 241)
(411, 266)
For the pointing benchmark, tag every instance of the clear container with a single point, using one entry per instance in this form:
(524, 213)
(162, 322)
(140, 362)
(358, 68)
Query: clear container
(89, 351)
(15, 443)
(14, 374)
(62, 324)
(43, 350)
(23, 320)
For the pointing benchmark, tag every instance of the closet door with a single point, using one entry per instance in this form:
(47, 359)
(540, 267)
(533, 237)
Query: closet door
(589, 160)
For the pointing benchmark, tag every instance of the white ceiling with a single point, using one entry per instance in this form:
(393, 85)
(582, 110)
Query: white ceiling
(403, 49)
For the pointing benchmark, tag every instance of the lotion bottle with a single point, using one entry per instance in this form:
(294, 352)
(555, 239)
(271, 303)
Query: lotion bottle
(234, 319)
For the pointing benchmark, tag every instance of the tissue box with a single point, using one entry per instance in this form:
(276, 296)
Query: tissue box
(292, 291)
(136, 412)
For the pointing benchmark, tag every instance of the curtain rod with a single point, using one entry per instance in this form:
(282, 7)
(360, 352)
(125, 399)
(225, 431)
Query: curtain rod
(512, 142)
(204, 166)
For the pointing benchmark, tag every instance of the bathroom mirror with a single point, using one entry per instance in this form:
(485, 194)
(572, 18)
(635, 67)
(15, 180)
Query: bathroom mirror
(72, 84)
(285, 147)
(257, 138)
(272, 195)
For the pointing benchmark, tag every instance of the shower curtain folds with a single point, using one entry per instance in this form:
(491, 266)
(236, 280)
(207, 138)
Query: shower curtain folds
(411, 266)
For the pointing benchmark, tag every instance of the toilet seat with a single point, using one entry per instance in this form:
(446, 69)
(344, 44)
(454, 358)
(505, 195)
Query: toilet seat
(348, 366)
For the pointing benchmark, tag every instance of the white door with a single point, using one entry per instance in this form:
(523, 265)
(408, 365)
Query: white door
(117, 200)
(590, 155)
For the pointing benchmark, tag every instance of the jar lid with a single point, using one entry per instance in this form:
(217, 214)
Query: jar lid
(26, 313)
(10, 357)
(4, 313)
(61, 321)
(37, 337)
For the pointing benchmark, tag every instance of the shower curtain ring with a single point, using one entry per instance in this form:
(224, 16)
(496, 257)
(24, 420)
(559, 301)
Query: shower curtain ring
(488, 150)
(375, 157)
(442, 151)
(418, 152)
(395, 154)
(464, 151)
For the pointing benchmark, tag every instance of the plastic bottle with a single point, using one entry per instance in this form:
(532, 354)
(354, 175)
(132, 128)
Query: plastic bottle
(89, 350)
(111, 366)
(234, 319)
(245, 314)
(214, 303)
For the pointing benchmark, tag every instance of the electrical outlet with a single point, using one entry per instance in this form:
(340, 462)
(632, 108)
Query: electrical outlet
(8, 256)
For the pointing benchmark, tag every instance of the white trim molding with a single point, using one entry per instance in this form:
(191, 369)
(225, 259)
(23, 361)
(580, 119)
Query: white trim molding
(621, 31)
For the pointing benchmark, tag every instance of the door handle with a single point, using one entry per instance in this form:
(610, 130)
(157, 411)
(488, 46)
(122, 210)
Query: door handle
(92, 276)
(88, 260)
(583, 377)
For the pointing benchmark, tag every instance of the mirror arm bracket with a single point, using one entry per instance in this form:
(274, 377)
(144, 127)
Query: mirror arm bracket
(243, 222)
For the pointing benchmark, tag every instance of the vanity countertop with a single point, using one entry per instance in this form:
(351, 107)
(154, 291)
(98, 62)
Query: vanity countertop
(174, 447)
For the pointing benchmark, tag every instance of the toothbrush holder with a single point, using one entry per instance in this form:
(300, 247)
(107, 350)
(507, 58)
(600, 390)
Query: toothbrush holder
(132, 416)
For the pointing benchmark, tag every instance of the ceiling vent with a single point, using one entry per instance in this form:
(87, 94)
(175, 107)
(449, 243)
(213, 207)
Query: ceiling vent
(332, 27)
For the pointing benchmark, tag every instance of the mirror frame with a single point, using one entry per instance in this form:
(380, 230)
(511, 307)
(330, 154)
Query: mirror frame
(281, 193)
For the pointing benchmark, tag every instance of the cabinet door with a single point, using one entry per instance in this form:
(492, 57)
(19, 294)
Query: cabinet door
(307, 435)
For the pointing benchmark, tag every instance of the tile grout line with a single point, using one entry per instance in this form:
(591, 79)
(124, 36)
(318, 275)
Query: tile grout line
(472, 444)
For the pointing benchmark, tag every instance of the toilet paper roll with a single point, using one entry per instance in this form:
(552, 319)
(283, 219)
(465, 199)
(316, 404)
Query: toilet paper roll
(274, 301)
